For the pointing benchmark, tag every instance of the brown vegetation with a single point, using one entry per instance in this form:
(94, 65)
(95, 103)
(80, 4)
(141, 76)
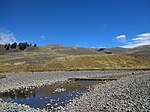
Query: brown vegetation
(56, 57)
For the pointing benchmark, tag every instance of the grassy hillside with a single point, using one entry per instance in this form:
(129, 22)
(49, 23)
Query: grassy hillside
(80, 62)
(57, 57)
(88, 62)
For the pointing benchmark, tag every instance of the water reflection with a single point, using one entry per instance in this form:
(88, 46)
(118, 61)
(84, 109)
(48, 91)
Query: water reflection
(48, 96)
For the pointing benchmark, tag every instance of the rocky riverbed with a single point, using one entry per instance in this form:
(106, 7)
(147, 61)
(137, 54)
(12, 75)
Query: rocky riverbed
(131, 94)
(14, 107)
(117, 95)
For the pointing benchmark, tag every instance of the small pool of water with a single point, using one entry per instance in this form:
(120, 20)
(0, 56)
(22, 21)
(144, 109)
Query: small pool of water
(48, 96)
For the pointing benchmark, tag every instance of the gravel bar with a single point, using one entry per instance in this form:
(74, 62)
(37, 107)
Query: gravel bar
(130, 94)
(95, 100)
(14, 107)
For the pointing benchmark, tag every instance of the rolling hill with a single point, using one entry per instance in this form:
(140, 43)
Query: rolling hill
(58, 57)
(119, 50)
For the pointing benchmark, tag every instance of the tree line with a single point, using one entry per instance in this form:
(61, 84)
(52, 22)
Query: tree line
(21, 46)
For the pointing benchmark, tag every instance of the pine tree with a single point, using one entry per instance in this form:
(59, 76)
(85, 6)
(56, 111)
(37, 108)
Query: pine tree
(8, 47)
(13, 46)
(5, 45)
(35, 45)
(22, 46)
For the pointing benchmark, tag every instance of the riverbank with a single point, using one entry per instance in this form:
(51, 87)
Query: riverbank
(14, 107)
(22, 80)
(27, 79)
(130, 94)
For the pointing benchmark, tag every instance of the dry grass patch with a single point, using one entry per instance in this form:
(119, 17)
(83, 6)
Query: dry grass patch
(80, 62)
(87, 62)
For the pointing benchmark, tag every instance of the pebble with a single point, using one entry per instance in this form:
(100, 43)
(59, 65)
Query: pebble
(130, 94)
(94, 100)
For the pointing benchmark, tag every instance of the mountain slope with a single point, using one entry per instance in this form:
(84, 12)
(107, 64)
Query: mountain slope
(57, 57)
(87, 62)
(118, 50)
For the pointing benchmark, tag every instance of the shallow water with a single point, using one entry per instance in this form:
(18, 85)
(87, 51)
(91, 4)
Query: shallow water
(48, 96)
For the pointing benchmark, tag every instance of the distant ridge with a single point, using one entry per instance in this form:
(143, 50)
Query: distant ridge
(145, 49)
(73, 50)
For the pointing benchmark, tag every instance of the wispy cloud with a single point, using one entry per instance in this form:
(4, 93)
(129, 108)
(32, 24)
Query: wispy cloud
(121, 38)
(43, 37)
(6, 36)
(141, 39)
(104, 26)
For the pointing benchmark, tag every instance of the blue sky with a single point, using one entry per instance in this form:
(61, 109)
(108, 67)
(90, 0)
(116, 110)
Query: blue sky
(85, 23)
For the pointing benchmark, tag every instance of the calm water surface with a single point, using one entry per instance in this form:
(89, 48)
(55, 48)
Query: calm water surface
(48, 96)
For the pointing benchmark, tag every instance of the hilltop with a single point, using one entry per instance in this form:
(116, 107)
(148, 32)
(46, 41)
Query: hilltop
(145, 50)
(73, 50)
(59, 57)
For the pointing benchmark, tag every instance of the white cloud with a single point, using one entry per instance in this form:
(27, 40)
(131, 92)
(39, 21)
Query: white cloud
(6, 37)
(121, 38)
(141, 39)
(43, 37)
